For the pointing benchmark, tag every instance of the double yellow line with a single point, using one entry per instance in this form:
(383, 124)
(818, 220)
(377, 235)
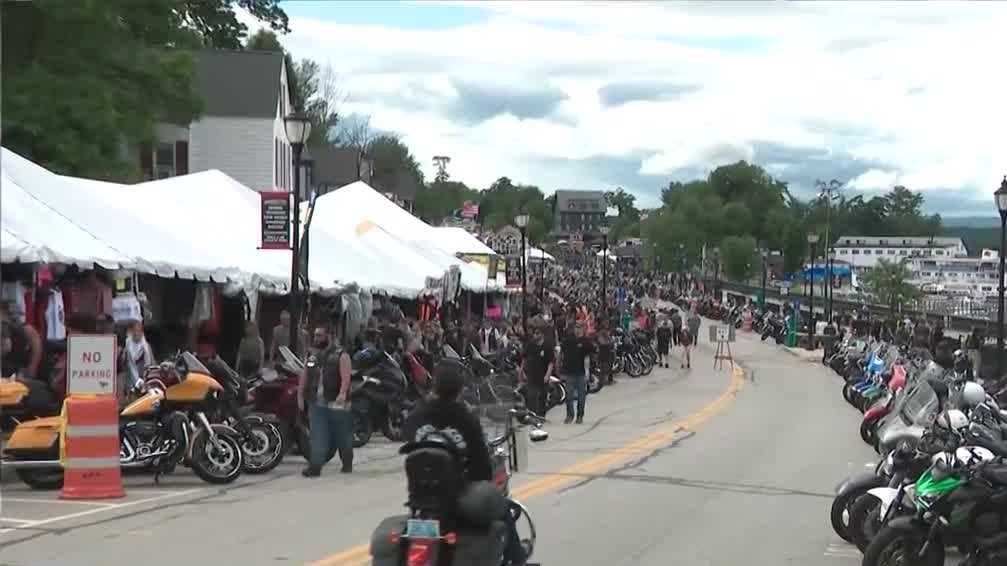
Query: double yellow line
(360, 555)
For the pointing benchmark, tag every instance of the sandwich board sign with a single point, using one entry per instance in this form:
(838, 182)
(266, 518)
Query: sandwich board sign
(90, 364)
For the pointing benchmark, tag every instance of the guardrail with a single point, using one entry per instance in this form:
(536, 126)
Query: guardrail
(960, 317)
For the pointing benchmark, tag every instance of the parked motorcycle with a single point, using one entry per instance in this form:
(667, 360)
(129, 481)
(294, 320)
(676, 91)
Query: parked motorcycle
(379, 397)
(274, 392)
(166, 426)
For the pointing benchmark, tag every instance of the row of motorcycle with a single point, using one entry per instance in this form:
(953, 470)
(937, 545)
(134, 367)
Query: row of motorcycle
(765, 322)
(939, 488)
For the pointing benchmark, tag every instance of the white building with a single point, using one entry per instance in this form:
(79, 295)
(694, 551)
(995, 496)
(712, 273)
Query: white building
(241, 130)
(864, 252)
(974, 276)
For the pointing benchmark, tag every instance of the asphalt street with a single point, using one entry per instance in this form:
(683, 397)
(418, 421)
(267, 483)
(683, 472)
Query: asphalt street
(698, 467)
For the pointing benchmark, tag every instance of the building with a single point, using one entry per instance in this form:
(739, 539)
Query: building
(241, 131)
(578, 212)
(333, 167)
(864, 252)
(973, 276)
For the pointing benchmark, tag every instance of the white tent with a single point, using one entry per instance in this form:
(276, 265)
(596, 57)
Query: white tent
(32, 231)
(394, 232)
(535, 253)
(454, 240)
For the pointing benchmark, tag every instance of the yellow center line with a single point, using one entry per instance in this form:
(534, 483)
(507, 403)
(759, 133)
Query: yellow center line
(360, 555)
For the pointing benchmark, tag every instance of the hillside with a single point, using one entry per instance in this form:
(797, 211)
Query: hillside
(976, 238)
(971, 221)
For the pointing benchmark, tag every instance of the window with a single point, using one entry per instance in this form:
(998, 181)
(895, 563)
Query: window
(940, 252)
(903, 252)
(276, 160)
(855, 252)
(867, 252)
(844, 252)
(164, 161)
(891, 252)
(879, 252)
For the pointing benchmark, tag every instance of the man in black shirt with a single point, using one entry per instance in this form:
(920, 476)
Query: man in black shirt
(536, 367)
(324, 387)
(573, 349)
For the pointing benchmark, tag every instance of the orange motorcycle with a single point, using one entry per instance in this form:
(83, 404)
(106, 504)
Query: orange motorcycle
(166, 426)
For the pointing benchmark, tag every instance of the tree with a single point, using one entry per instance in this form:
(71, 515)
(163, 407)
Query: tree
(355, 131)
(263, 40)
(442, 199)
(739, 256)
(889, 282)
(316, 92)
(216, 22)
(504, 200)
(82, 79)
(94, 74)
(393, 158)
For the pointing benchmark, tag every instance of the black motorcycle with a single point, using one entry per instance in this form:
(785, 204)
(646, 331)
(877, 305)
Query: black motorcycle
(381, 397)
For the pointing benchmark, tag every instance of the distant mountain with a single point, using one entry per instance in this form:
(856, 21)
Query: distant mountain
(976, 238)
(971, 221)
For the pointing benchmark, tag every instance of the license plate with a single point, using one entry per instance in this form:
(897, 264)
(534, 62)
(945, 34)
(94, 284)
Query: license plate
(419, 528)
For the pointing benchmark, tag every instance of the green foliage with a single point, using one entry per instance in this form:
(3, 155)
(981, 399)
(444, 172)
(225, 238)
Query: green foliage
(627, 224)
(263, 40)
(392, 157)
(441, 199)
(504, 200)
(82, 79)
(888, 281)
(739, 256)
(218, 25)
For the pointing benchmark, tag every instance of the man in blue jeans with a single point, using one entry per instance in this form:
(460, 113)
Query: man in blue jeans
(574, 348)
(324, 387)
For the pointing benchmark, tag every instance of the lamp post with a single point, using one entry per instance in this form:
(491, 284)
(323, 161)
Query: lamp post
(831, 289)
(765, 268)
(812, 240)
(522, 224)
(1001, 200)
(604, 273)
(541, 278)
(297, 126)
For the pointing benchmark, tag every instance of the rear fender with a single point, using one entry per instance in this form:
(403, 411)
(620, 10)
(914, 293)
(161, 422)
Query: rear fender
(861, 481)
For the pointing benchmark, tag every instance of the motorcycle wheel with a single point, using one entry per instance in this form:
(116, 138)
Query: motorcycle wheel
(264, 450)
(634, 368)
(839, 515)
(594, 383)
(41, 479)
(895, 546)
(392, 427)
(865, 520)
(217, 465)
(867, 432)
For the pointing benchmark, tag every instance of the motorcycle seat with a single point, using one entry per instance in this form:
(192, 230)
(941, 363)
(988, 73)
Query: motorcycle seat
(996, 475)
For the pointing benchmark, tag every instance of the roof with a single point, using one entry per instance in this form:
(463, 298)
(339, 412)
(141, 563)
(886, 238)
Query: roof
(239, 84)
(563, 198)
(898, 241)
(335, 166)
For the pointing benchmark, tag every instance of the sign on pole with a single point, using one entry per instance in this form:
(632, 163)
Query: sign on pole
(90, 364)
(275, 220)
(513, 271)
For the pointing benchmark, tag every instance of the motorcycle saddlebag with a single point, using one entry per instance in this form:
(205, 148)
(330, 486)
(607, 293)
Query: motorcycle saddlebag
(480, 548)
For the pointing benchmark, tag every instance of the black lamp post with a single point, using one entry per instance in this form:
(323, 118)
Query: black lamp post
(541, 277)
(1001, 199)
(812, 241)
(831, 289)
(522, 224)
(297, 126)
(765, 269)
(604, 273)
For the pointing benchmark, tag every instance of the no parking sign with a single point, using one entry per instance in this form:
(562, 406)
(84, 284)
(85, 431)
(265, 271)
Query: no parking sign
(90, 364)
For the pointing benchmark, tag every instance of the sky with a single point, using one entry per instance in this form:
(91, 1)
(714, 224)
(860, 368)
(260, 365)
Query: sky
(598, 95)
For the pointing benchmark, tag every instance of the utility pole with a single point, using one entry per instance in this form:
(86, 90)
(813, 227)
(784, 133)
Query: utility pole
(441, 163)
(828, 192)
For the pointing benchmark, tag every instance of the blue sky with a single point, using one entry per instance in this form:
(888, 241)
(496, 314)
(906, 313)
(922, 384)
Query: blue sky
(593, 95)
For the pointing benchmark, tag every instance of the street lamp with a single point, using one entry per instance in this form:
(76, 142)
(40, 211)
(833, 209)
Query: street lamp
(831, 289)
(1001, 200)
(765, 260)
(522, 224)
(604, 273)
(297, 126)
(812, 240)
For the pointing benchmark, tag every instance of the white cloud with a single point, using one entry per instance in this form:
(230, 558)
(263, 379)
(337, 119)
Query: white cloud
(920, 97)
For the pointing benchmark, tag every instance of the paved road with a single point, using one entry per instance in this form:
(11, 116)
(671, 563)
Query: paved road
(697, 467)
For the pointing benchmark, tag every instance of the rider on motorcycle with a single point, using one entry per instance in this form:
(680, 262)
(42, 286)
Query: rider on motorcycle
(445, 415)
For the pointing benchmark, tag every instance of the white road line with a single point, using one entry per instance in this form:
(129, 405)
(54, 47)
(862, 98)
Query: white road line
(67, 501)
(13, 520)
(113, 507)
(842, 550)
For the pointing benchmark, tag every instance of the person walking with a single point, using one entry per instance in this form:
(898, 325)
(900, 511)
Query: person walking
(685, 340)
(536, 366)
(574, 348)
(324, 387)
(663, 343)
(606, 353)
(693, 327)
(676, 326)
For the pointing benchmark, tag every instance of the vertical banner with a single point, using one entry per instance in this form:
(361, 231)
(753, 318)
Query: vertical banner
(513, 271)
(275, 220)
(494, 267)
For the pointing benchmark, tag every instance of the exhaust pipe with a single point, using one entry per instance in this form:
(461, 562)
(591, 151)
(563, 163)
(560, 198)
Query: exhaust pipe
(30, 464)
